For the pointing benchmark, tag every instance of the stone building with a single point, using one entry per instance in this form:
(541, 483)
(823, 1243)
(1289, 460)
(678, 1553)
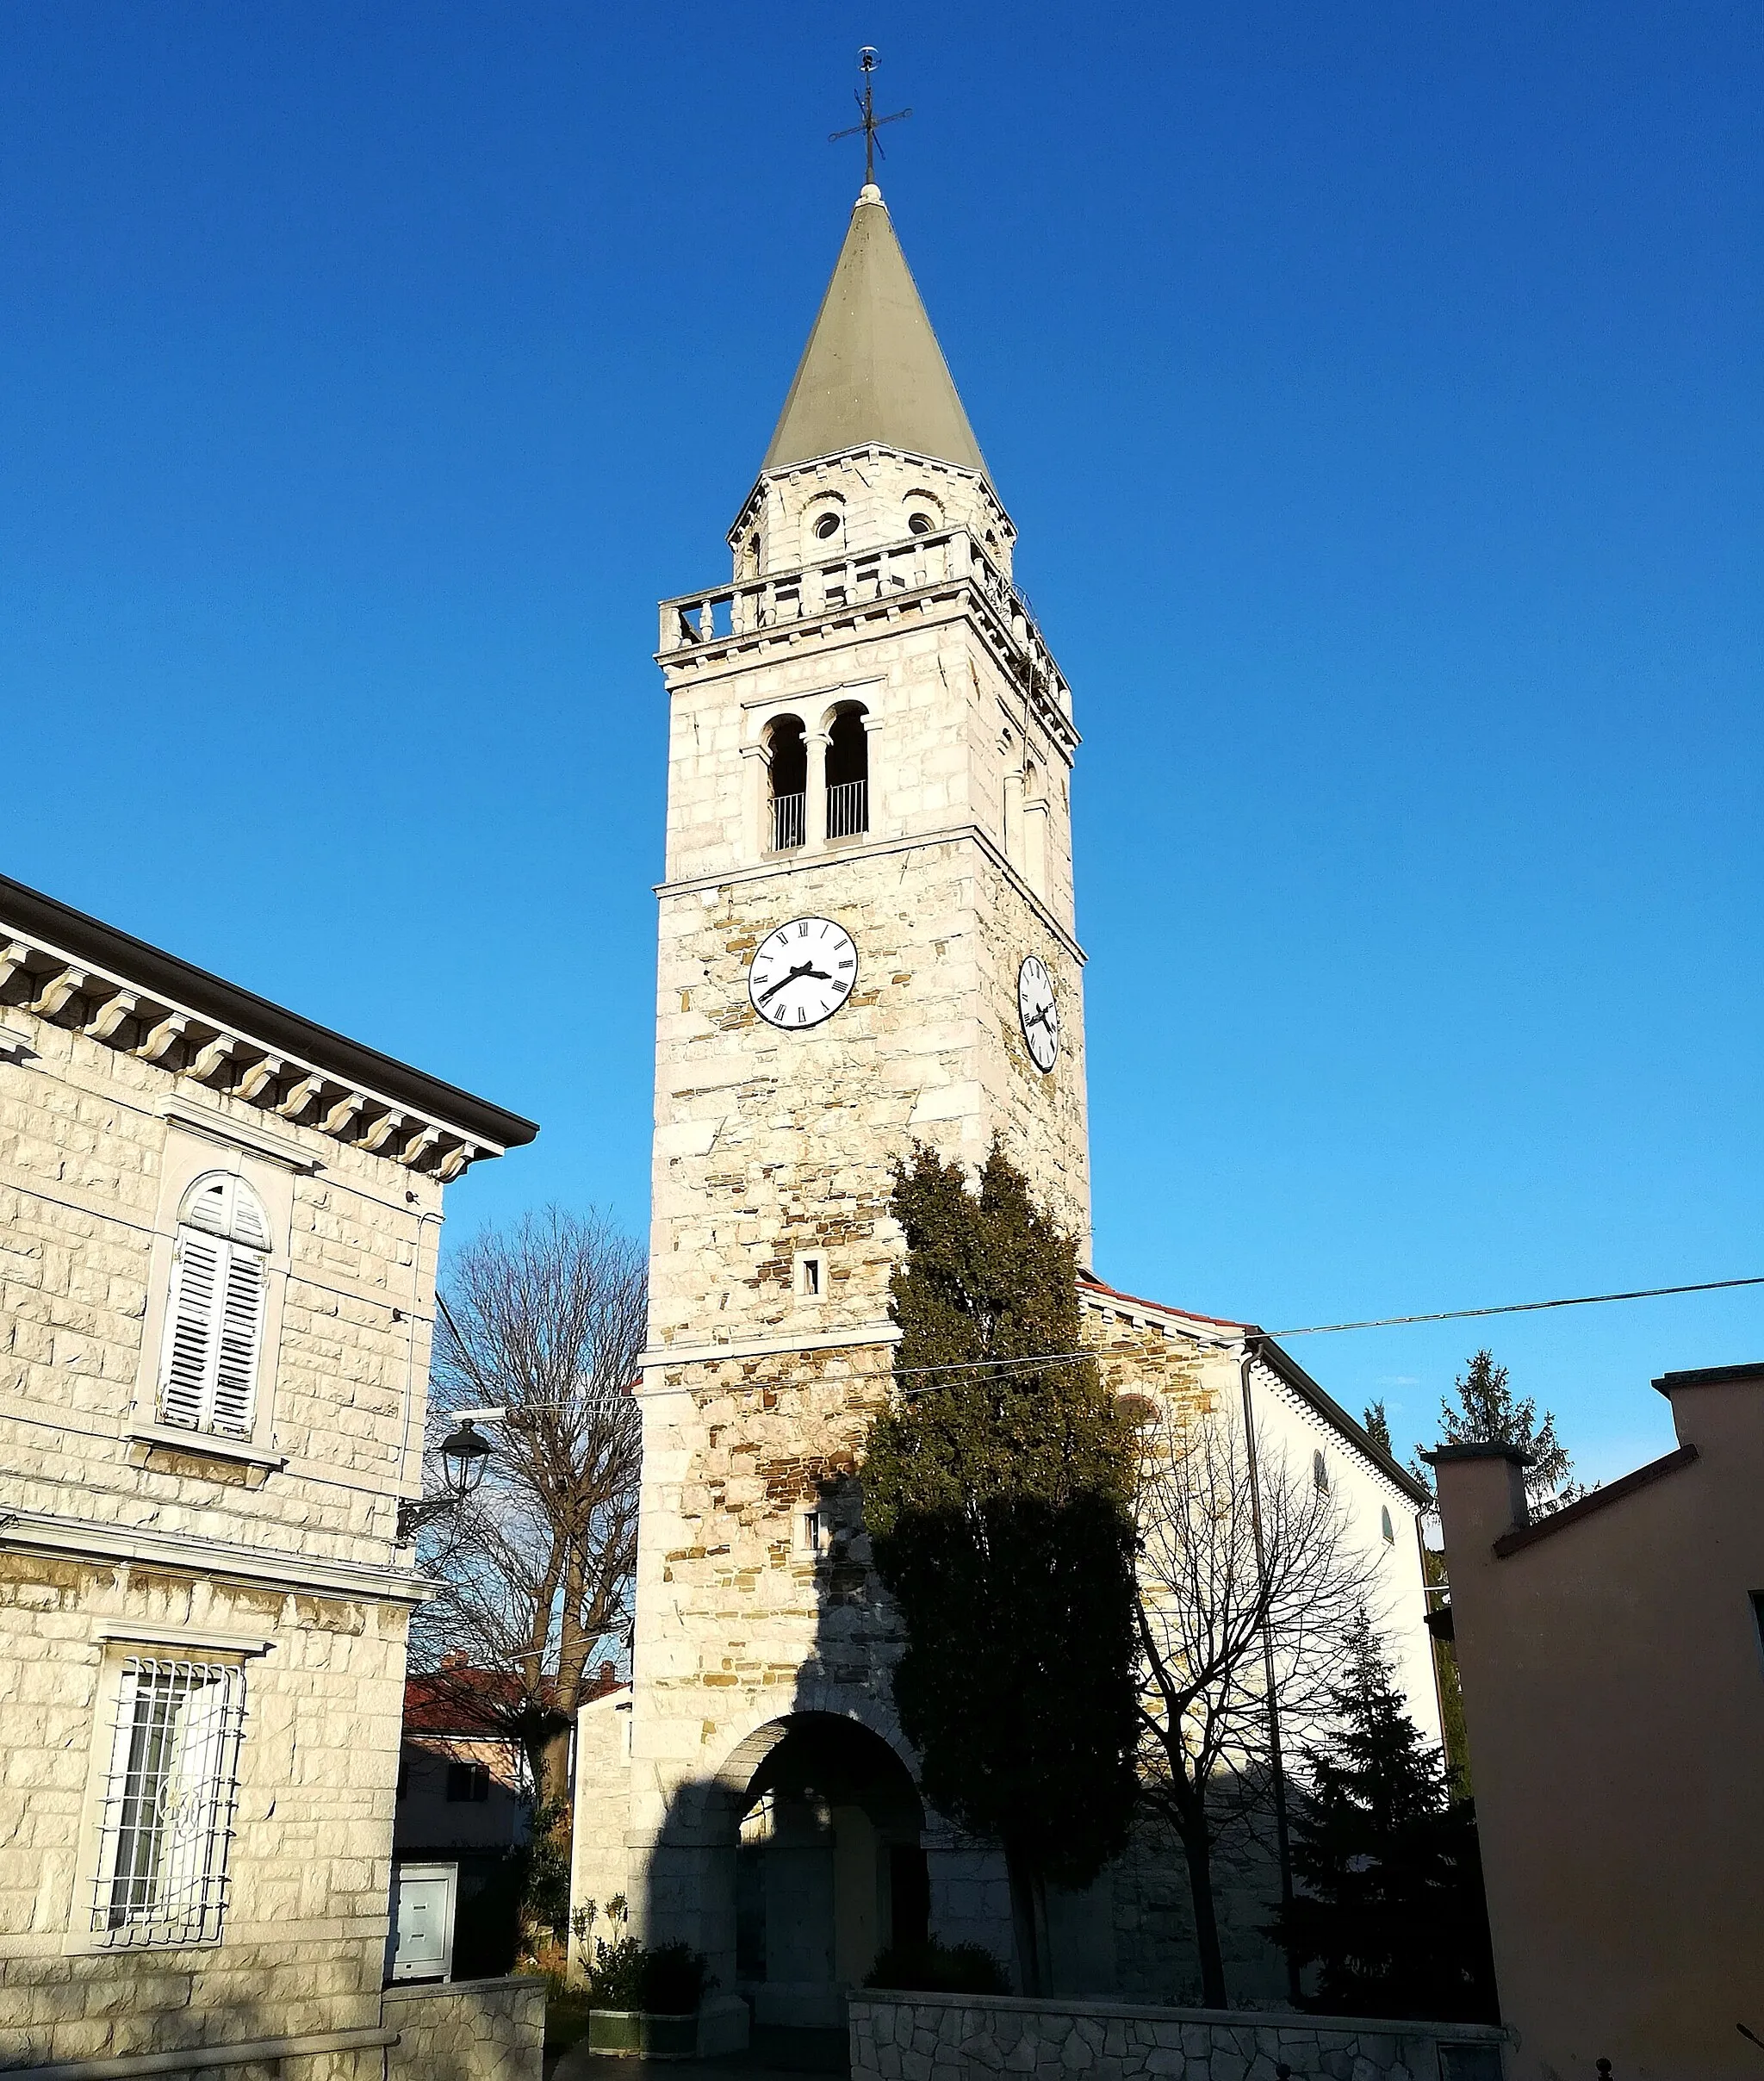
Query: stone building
(866, 938)
(1612, 1660)
(218, 1231)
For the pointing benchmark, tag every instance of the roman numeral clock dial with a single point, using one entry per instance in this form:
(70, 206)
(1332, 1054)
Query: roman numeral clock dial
(1039, 1011)
(802, 973)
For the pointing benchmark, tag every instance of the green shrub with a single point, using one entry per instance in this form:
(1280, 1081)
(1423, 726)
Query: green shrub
(673, 1979)
(670, 1981)
(935, 1968)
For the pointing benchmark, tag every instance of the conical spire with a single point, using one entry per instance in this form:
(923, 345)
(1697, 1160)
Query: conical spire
(872, 371)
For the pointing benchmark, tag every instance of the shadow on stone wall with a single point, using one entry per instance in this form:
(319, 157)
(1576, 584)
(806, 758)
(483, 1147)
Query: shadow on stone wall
(808, 1847)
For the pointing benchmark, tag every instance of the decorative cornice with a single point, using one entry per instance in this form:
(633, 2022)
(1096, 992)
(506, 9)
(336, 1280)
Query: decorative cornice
(40, 1532)
(76, 973)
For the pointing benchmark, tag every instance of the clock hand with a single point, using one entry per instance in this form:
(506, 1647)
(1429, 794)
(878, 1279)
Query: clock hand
(803, 969)
(765, 996)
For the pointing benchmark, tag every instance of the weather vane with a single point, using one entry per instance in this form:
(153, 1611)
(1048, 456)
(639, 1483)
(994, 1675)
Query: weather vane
(872, 122)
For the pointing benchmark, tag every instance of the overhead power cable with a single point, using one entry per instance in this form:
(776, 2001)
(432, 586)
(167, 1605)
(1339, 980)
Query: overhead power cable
(1011, 1368)
(1513, 1307)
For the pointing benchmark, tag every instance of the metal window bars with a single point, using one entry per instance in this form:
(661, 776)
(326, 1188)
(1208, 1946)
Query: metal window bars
(167, 1816)
(787, 822)
(847, 808)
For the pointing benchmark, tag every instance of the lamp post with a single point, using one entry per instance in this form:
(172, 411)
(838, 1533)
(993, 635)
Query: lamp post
(464, 1451)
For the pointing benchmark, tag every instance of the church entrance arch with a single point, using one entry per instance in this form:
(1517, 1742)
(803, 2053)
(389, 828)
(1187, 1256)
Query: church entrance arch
(828, 1865)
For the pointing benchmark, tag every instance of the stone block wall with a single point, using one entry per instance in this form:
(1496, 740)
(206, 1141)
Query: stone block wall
(91, 1172)
(303, 1938)
(927, 2037)
(467, 2030)
(275, 1552)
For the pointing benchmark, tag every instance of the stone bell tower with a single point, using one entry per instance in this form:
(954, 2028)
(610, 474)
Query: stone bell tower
(865, 940)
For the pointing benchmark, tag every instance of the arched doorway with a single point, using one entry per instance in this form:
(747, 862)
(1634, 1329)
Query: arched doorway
(829, 1869)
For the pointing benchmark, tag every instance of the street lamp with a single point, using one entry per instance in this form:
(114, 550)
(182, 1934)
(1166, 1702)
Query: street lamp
(464, 1452)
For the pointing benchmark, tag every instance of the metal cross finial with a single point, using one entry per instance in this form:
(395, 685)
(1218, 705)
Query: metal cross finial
(872, 122)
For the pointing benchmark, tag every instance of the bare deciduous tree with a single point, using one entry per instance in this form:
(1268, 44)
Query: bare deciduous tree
(1249, 1590)
(537, 1568)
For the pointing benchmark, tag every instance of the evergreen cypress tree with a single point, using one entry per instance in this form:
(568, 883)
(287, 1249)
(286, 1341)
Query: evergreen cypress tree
(1392, 1906)
(996, 1499)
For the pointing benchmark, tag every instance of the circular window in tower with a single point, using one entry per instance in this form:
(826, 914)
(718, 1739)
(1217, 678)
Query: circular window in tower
(918, 523)
(826, 527)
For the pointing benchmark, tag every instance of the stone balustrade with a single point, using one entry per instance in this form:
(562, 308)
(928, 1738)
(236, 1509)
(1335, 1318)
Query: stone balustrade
(856, 581)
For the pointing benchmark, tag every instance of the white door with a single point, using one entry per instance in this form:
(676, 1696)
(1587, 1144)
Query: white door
(422, 1921)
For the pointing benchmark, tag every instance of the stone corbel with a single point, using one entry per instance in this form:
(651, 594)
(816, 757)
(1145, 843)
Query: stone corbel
(454, 1162)
(64, 984)
(158, 1042)
(419, 1146)
(110, 1015)
(220, 1049)
(13, 958)
(300, 1096)
(341, 1116)
(264, 1072)
(382, 1131)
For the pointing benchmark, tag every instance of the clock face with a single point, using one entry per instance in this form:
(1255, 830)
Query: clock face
(1039, 1011)
(803, 973)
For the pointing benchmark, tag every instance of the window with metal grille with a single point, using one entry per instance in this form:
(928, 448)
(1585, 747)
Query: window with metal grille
(214, 1313)
(167, 1811)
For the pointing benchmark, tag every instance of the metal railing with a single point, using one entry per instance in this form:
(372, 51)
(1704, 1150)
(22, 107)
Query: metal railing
(787, 822)
(847, 808)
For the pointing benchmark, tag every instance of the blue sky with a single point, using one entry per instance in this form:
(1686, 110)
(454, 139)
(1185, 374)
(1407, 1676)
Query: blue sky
(1376, 387)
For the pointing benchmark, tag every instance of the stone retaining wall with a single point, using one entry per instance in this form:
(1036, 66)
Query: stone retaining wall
(956, 2037)
(467, 2030)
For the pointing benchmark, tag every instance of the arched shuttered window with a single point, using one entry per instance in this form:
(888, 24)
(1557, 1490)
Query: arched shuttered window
(214, 1317)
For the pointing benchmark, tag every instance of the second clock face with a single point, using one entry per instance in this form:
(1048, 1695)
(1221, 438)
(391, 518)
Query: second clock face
(1039, 1009)
(803, 973)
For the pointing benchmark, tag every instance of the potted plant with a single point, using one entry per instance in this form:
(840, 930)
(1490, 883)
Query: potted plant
(641, 2000)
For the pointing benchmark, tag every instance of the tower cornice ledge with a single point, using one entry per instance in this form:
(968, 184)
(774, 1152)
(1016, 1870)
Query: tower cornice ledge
(800, 864)
(727, 626)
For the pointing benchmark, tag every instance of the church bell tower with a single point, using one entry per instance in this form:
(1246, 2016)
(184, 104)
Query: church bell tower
(865, 941)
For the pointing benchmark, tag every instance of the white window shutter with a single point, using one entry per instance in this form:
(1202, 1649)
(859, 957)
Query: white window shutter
(241, 1326)
(208, 1206)
(191, 1332)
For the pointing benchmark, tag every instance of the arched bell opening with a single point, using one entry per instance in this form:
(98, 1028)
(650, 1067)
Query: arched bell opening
(847, 772)
(787, 759)
(830, 1869)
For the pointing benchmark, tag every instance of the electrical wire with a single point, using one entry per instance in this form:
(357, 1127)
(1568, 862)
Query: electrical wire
(1008, 1369)
(1513, 1307)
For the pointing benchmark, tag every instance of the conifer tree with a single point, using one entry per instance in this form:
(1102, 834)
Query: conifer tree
(997, 1495)
(1489, 1413)
(1391, 1907)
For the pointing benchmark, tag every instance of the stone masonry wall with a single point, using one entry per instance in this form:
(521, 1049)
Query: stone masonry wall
(304, 1932)
(924, 2037)
(91, 1172)
(89, 1169)
(469, 2030)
